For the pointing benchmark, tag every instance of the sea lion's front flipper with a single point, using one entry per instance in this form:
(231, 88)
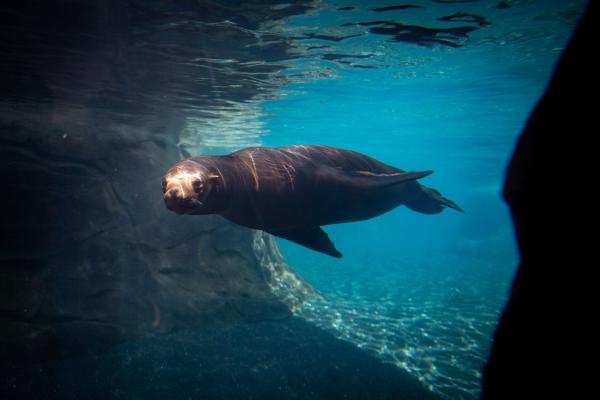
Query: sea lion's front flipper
(366, 180)
(312, 237)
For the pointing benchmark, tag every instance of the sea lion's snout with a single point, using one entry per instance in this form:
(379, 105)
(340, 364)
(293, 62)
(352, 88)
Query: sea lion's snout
(172, 196)
(180, 201)
(183, 190)
(174, 200)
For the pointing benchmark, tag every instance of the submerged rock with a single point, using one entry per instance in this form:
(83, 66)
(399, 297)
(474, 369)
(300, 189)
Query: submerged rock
(90, 255)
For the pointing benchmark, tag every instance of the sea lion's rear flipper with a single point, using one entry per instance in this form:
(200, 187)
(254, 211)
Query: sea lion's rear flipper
(365, 180)
(312, 237)
(430, 201)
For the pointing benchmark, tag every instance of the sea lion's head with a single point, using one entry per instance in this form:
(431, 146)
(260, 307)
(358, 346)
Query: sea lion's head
(187, 187)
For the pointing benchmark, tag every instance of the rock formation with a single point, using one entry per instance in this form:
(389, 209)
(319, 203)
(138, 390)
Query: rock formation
(90, 255)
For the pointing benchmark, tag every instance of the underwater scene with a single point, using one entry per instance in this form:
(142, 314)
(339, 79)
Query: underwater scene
(106, 293)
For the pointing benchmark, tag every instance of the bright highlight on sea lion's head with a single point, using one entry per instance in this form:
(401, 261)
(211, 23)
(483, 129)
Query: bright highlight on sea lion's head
(186, 188)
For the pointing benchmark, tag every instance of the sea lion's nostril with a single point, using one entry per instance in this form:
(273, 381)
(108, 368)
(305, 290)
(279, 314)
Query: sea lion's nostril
(173, 192)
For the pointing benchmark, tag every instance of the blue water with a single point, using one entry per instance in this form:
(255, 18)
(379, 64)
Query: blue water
(423, 292)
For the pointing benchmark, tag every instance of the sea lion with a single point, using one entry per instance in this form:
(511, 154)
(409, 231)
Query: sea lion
(292, 191)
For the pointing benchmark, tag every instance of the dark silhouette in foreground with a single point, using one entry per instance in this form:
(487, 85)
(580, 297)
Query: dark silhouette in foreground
(541, 332)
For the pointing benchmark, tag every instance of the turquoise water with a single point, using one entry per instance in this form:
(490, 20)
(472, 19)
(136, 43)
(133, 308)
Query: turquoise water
(423, 292)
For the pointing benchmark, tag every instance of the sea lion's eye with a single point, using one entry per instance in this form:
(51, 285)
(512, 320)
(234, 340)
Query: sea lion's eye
(197, 185)
(164, 185)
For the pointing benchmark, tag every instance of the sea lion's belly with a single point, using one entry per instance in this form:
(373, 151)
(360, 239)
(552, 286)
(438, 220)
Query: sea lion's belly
(271, 211)
(313, 206)
(350, 206)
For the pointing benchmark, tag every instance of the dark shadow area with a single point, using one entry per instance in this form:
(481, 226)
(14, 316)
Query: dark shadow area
(541, 341)
(421, 35)
(395, 8)
(466, 17)
(288, 359)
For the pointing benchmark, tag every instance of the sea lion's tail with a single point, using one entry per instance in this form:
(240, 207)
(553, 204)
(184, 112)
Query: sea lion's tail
(430, 201)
